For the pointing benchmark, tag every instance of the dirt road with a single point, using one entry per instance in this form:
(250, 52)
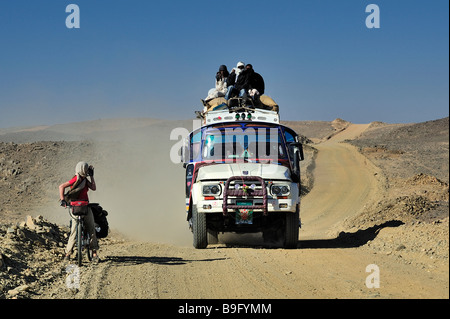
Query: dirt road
(325, 265)
(344, 182)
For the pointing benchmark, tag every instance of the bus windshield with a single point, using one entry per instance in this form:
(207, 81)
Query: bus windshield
(252, 144)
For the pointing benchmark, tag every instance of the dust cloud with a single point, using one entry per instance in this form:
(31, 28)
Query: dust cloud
(139, 185)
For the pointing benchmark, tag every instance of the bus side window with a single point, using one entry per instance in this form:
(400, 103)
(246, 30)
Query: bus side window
(289, 137)
(195, 141)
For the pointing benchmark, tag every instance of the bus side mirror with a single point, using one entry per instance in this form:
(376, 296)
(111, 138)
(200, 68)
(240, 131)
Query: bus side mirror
(297, 147)
(184, 153)
(297, 150)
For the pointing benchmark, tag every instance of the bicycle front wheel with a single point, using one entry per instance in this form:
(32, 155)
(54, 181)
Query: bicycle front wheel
(88, 247)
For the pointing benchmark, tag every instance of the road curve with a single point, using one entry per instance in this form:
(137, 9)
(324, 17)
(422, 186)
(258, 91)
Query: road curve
(344, 182)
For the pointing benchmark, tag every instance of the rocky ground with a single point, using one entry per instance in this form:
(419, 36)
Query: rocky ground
(30, 256)
(31, 247)
(413, 163)
(414, 159)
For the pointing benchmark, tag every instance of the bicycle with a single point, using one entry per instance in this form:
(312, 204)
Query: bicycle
(77, 211)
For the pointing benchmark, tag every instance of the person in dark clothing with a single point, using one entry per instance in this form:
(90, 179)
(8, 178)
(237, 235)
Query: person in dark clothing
(243, 81)
(255, 83)
(236, 82)
(234, 74)
(223, 73)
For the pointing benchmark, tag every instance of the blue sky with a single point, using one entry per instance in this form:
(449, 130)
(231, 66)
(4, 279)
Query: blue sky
(158, 58)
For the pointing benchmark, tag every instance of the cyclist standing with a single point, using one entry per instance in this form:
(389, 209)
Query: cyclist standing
(80, 186)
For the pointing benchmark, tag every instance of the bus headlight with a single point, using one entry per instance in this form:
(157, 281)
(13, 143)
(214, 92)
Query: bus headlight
(280, 190)
(211, 189)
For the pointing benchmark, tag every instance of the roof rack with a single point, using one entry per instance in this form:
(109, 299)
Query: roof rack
(238, 109)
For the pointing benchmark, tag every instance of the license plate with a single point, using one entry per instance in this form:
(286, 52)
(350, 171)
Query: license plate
(244, 216)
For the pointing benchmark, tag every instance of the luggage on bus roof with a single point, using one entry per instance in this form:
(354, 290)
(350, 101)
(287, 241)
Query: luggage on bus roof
(219, 103)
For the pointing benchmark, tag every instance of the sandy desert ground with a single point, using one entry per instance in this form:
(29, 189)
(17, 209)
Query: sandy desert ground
(374, 194)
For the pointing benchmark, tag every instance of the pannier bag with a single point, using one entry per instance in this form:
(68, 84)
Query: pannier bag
(80, 207)
(100, 220)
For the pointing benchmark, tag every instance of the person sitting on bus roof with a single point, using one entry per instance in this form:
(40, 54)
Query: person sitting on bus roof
(221, 84)
(236, 82)
(255, 83)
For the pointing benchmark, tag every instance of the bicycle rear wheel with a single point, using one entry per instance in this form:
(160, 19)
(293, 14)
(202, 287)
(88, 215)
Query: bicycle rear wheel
(79, 242)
